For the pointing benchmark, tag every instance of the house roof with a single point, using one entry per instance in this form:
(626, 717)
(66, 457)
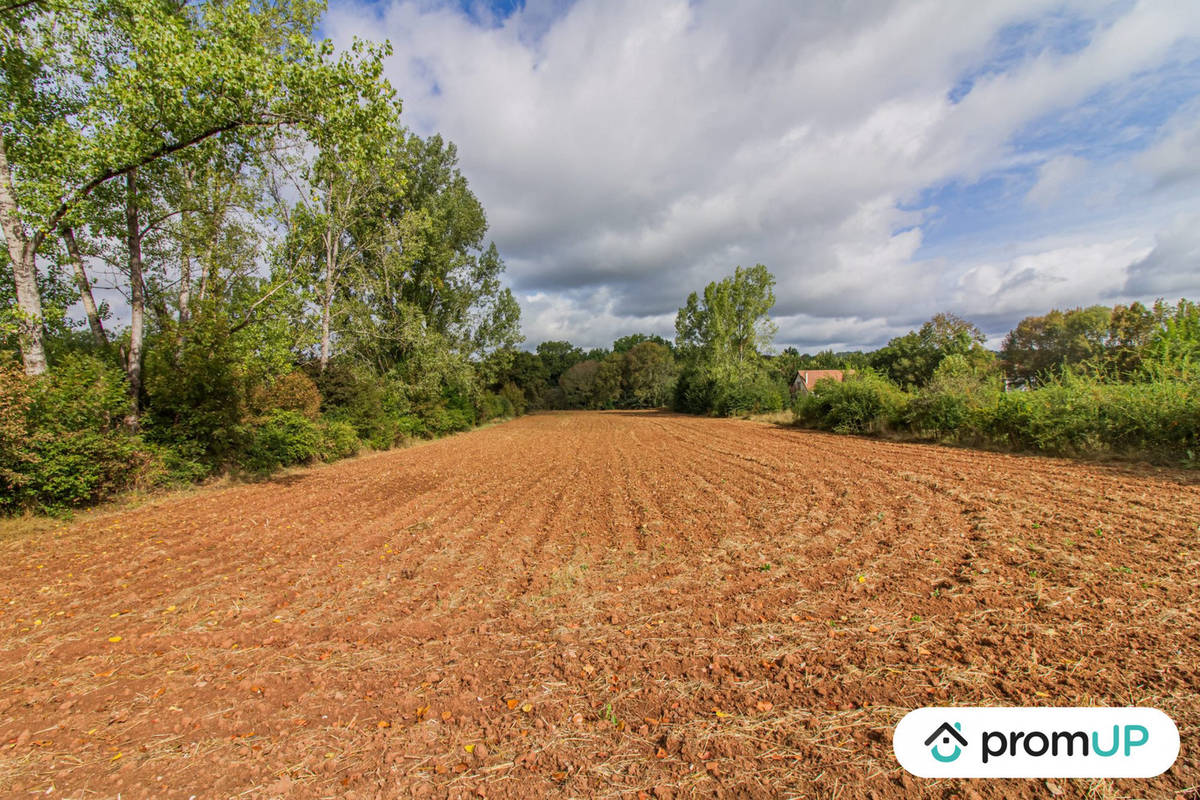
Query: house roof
(809, 377)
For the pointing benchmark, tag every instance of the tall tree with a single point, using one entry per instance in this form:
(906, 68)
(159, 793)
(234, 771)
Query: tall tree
(94, 91)
(728, 327)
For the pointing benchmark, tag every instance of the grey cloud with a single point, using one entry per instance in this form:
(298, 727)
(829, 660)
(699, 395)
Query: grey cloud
(629, 151)
(1172, 268)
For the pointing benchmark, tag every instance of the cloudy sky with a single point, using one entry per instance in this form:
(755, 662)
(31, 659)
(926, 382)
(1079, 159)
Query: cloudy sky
(886, 160)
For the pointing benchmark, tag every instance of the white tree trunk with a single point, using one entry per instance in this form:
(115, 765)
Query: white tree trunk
(137, 299)
(23, 256)
(85, 288)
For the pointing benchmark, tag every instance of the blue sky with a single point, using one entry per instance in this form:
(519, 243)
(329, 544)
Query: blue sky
(886, 159)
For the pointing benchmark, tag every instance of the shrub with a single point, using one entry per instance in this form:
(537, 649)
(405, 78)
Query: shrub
(71, 469)
(196, 398)
(14, 430)
(356, 396)
(959, 402)
(411, 425)
(753, 395)
(492, 405)
(338, 440)
(693, 391)
(441, 421)
(862, 403)
(751, 390)
(1076, 415)
(82, 392)
(294, 391)
(515, 398)
(62, 440)
(283, 439)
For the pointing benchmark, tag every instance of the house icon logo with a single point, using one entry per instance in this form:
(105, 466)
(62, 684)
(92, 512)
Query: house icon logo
(945, 732)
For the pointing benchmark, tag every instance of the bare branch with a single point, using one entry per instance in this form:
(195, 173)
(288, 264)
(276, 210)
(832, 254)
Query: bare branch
(166, 150)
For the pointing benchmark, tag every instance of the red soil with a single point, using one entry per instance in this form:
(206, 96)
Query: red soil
(595, 605)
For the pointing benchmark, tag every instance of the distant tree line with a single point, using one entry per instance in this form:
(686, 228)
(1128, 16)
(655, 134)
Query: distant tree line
(1123, 380)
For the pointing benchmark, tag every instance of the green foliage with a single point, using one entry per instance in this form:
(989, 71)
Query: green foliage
(1070, 414)
(1081, 415)
(958, 400)
(62, 439)
(196, 396)
(756, 393)
(721, 336)
(14, 424)
(627, 343)
(579, 384)
(1040, 346)
(278, 207)
(650, 374)
(338, 440)
(911, 360)
(493, 406)
(728, 326)
(1173, 351)
(862, 403)
(514, 399)
(282, 439)
(292, 391)
(354, 395)
(558, 357)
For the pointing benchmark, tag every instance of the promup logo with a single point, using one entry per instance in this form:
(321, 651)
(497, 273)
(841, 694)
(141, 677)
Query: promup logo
(1036, 742)
(946, 733)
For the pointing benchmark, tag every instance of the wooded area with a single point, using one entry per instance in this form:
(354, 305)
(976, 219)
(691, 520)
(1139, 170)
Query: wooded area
(300, 273)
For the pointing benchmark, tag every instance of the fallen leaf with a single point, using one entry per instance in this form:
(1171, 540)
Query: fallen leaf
(512, 703)
(114, 639)
(763, 705)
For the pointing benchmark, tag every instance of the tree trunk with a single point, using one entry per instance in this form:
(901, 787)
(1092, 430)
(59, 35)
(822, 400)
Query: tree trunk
(137, 299)
(326, 308)
(185, 258)
(185, 278)
(22, 253)
(331, 256)
(85, 288)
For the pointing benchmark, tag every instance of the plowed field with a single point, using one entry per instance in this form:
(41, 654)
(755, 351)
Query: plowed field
(595, 605)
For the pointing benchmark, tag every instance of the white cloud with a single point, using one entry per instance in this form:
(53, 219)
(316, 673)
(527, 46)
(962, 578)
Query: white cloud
(1055, 177)
(630, 151)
